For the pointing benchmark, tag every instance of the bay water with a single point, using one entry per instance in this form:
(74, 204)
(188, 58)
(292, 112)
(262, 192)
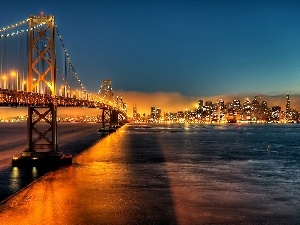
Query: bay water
(184, 174)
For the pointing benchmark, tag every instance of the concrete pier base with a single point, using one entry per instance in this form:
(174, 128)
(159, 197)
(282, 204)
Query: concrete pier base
(41, 159)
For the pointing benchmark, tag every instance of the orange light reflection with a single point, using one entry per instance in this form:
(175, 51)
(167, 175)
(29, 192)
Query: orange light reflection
(88, 192)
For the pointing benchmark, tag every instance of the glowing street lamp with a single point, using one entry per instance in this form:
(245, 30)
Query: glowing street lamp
(4, 78)
(24, 85)
(61, 91)
(13, 75)
(36, 87)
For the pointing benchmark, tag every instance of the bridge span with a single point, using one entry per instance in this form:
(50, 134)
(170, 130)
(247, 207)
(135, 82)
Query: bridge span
(36, 72)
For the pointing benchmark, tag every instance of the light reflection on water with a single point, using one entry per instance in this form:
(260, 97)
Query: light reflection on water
(20, 177)
(15, 179)
(203, 174)
(110, 183)
(34, 173)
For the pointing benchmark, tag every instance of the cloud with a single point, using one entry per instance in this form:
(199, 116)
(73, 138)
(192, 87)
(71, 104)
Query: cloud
(172, 102)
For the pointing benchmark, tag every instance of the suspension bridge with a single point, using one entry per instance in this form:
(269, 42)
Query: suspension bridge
(36, 72)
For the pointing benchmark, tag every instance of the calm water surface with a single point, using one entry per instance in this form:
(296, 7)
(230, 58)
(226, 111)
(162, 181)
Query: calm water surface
(233, 172)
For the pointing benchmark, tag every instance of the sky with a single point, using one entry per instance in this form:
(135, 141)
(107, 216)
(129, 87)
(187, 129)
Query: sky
(168, 52)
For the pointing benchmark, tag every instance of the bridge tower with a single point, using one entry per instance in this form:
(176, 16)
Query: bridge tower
(109, 117)
(42, 120)
(106, 94)
(41, 63)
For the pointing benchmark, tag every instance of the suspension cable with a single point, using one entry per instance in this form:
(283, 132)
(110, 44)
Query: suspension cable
(21, 31)
(69, 60)
(14, 25)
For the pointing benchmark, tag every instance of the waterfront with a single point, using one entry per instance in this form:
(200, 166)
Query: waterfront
(72, 139)
(172, 174)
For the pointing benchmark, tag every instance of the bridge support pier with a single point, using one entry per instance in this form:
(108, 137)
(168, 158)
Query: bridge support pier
(42, 140)
(114, 118)
(121, 119)
(109, 120)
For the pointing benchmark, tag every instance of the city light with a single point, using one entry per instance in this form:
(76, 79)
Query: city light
(15, 80)
(255, 111)
(4, 82)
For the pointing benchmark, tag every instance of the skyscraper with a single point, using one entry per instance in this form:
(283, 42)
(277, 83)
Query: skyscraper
(134, 112)
(288, 106)
(200, 104)
(153, 112)
(158, 113)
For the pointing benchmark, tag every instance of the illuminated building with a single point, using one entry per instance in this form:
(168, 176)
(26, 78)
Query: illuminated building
(200, 104)
(255, 109)
(275, 113)
(288, 106)
(264, 105)
(264, 111)
(288, 113)
(236, 106)
(221, 104)
(221, 110)
(153, 113)
(180, 116)
(247, 110)
(208, 103)
(134, 115)
(171, 117)
(206, 112)
(231, 113)
(167, 116)
(158, 114)
(215, 113)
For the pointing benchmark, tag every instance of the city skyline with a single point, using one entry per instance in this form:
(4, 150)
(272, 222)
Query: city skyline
(191, 48)
(175, 102)
(256, 110)
(285, 104)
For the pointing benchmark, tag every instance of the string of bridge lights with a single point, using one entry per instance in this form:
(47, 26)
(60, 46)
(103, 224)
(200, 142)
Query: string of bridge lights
(29, 29)
(60, 39)
(21, 31)
(64, 80)
(69, 59)
(14, 25)
(58, 71)
(66, 83)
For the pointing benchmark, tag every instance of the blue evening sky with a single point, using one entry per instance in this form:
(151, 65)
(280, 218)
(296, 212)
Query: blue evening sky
(196, 48)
